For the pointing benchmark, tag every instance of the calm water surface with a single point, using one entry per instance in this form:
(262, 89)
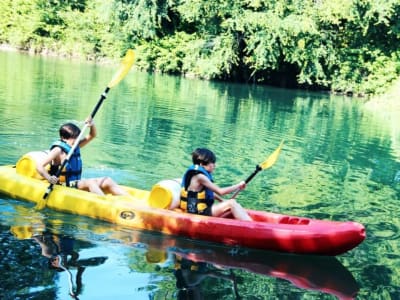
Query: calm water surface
(340, 161)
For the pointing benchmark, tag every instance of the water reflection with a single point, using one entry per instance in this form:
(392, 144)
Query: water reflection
(61, 253)
(190, 274)
(194, 262)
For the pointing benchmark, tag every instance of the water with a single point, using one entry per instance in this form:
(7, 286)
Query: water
(340, 161)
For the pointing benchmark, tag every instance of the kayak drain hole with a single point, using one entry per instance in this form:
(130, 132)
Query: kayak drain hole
(127, 215)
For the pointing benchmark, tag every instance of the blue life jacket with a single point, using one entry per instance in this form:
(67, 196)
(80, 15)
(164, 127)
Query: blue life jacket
(202, 199)
(73, 169)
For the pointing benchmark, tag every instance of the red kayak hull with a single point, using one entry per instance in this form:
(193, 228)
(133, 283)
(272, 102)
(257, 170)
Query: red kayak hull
(268, 231)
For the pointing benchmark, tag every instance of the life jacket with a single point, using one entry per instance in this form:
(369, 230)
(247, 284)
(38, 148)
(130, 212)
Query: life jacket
(195, 202)
(73, 169)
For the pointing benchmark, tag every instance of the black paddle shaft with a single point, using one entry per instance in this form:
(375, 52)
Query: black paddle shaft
(100, 102)
(66, 160)
(258, 169)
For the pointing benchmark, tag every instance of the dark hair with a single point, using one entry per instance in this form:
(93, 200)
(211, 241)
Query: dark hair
(203, 156)
(69, 130)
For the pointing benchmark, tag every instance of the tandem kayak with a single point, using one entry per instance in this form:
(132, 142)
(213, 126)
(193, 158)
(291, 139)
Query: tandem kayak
(267, 231)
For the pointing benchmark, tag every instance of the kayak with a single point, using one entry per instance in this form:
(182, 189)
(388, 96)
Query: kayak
(267, 231)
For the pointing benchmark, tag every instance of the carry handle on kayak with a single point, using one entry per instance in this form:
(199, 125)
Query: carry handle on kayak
(268, 163)
(126, 65)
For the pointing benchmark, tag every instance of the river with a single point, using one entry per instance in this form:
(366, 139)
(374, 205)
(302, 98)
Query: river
(340, 161)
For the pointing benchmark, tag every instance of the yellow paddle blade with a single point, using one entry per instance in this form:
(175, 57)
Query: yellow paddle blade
(272, 158)
(126, 65)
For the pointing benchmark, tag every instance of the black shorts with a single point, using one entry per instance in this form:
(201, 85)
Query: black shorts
(72, 184)
(206, 212)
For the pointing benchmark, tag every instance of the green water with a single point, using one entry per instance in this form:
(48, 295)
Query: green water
(340, 161)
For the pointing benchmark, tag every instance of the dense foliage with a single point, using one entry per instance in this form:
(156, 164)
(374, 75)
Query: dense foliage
(350, 46)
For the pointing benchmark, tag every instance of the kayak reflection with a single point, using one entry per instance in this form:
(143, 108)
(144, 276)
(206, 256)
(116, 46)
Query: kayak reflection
(322, 274)
(190, 274)
(194, 261)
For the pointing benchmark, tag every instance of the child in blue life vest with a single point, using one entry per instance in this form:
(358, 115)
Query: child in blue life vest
(199, 191)
(71, 175)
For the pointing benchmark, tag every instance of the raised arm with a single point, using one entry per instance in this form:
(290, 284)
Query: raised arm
(92, 132)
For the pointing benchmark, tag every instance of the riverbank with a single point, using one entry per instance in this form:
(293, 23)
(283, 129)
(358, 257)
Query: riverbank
(387, 103)
(51, 53)
(387, 108)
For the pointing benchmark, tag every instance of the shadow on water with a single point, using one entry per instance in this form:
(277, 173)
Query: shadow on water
(44, 253)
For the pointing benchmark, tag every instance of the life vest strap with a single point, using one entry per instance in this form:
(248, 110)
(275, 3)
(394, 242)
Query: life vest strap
(192, 203)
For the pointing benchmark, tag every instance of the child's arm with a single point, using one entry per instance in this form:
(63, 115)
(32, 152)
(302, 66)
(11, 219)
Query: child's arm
(203, 180)
(41, 166)
(92, 133)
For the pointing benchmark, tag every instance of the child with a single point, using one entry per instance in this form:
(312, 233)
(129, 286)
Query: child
(71, 175)
(198, 190)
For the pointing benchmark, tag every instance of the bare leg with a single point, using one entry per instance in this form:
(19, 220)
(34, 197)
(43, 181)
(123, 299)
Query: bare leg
(90, 185)
(232, 206)
(101, 185)
(108, 185)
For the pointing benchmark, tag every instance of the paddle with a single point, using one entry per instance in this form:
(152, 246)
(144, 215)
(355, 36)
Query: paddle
(126, 65)
(268, 163)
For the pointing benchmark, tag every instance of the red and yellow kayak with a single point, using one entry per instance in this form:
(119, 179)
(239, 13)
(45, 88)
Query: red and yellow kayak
(268, 231)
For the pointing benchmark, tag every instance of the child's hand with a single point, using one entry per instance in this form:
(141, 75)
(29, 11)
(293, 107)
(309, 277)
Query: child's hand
(89, 121)
(53, 179)
(242, 185)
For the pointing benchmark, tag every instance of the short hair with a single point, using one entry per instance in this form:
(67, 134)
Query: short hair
(204, 156)
(69, 130)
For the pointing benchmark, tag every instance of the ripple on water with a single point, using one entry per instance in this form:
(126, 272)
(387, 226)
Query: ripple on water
(384, 230)
(396, 178)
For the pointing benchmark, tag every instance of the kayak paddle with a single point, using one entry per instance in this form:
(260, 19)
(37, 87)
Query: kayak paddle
(126, 65)
(268, 163)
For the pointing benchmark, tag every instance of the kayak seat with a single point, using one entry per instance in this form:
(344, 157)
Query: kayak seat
(294, 221)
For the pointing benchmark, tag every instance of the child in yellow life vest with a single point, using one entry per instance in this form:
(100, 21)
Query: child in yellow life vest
(199, 191)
